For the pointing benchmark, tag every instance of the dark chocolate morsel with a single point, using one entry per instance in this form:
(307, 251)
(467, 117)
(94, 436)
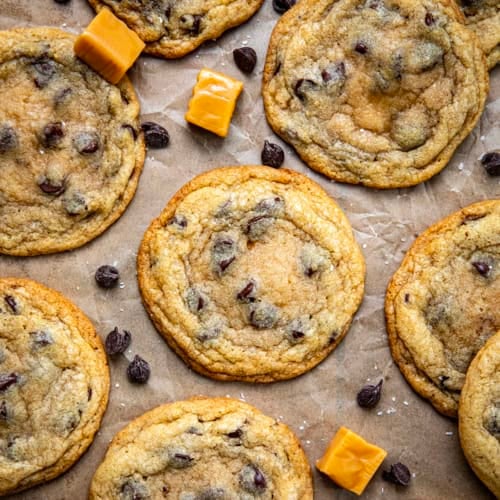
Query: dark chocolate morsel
(138, 370)
(6, 380)
(398, 474)
(8, 138)
(281, 6)
(491, 163)
(369, 395)
(116, 342)
(245, 58)
(272, 155)
(155, 135)
(107, 276)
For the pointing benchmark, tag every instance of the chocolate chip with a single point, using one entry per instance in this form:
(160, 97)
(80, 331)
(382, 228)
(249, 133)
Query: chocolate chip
(75, 204)
(369, 395)
(407, 297)
(263, 315)
(61, 95)
(245, 58)
(442, 381)
(212, 494)
(165, 490)
(296, 330)
(134, 490)
(491, 420)
(223, 253)
(207, 334)
(361, 48)
(302, 86)
(116, 342)
(314, 260)
(490, 162)
(429, 19)
(12, 303)
(89, 393)
(41, 338)
(138, 370)
(132, 130)
(52, 134)
(281, 6)
(155, 135)
(252, 479)
(178, 220)
(107, 276)
(235, 434)
(398, 474)
(272, 155)
(272, 206)
(334, 76)
(195, 300)
(180, 460)
(257, 226)
(191, 23)
(483, 268)
(247, 293)
(8, 138)
(44, 69)
(3, 411)
(62, 1)
(51, 187)
(86, 142)
(6, 380)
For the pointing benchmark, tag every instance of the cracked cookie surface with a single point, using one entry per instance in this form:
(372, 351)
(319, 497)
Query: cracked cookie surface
(71, 150)
(483, 17)
(204, 449)
(54, 384)
(173, 28)
(374, 92)
(442, 303)
(479, 415)
(251, 273)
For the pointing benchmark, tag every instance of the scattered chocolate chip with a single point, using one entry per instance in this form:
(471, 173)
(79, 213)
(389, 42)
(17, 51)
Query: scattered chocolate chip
(429, 19)
(11, 302)
(333, 338)
(272, 155)
(51, 187)
(252, 479)
(178, 220)
(277, 69)
(398, 474)
(407, 297)
(3, 411)
(296, 330)
(116, 342)
(6, 380)
(263, 315)
(138, 370)
(492, 420)
(45, 69)
(257, 226)
(207, 334)
(86, 142)
(369, 395)
(75, 204)
(281, 6)
(180, 460)
(223, 253)
(41, 338)
(302, 86)
(483, 268)
(155, 135)
(60, 95)
(89, 393)
(8, 138)
(52, 134)
(442, 381)
(247, 293)
(134, 490)
(132, 130)
(195, 300)
(166, 489)
(168, 11)
(235, 434)
(62, 1)
(313, 259)
(490, 162)
(195, 431)
(107, 276)
(361, 48)
(245, 58)
(191, 23)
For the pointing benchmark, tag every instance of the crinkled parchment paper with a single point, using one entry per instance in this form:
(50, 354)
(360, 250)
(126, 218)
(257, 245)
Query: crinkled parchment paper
(385, 224)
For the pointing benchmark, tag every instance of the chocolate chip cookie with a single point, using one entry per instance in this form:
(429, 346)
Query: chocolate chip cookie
(251, 273)
(442, 303)
(479, 415)
(54, 384)
(483, 17)
(71, 149)
(173, 28)
(374, 92)
(204, 449)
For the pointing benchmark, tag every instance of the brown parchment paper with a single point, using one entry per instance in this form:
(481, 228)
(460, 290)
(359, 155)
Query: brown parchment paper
(385, 224)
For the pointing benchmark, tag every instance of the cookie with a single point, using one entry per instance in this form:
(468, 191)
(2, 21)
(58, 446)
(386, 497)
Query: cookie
(204, 449)
(479, 415)
(54, 384)
(173, 28)
(251, 273)
(483, 17)
(374, 92)
(71, 150)
(442, 303)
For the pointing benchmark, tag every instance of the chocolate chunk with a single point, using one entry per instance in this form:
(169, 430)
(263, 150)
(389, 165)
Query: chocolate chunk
(4, 415)
(272, 155)
(361, 47)
(155, 135)
(245, 58)
(12, 303)
(191, 23)
(271, 206)
(369, 395)
(138, 370)
(86, 142)
(41, 338)
(314, 260)
(235, 434)
(296, 330)
(134, 490)
(263, 315)
(247, 293)
(223, 253)
(429, 19)
(107, 276)
(303, 86)
(252, 479)
(398, 474)
(490, 161)
(257, 226)
(76, 204)
(483, 268)
(61, 95)
(116, 342)
(6, 380)
(179, 460)
(281, 6)
(178, 220)
(8, 138)
(52, 187)
(195, 300)
(89, 393)
(52, 134)
(212, 494)
(45, 69)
